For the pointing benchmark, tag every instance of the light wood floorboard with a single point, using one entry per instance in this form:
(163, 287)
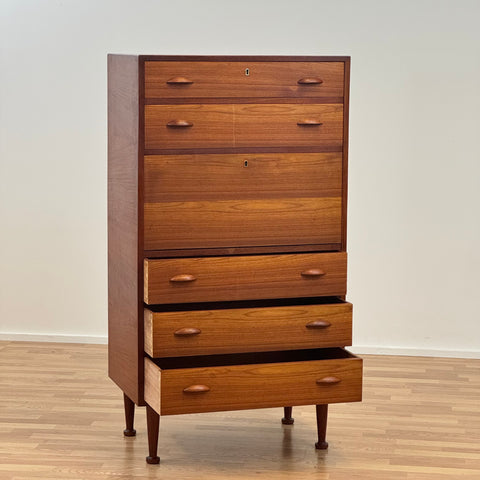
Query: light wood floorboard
(62, 418)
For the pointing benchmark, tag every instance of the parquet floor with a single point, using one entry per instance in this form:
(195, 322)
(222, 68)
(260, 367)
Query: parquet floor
(62, 418)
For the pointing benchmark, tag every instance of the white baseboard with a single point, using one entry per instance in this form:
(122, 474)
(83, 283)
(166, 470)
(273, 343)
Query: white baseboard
(413, 352)
(33, 337)
(360, 349)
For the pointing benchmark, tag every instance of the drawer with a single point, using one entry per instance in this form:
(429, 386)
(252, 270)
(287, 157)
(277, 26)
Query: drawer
(244, 79)
(313, 324)
(243, 381)
(208, 201)
(243, 125)
(208, 279)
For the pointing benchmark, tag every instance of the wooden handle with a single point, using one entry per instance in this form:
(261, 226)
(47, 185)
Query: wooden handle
(187, 332)
(196, 389)
(308, 122)
(318, 324)
(310, 81)
(184, 277)
(179, 124)
(179, 81)
(313, 272)
(328, 381)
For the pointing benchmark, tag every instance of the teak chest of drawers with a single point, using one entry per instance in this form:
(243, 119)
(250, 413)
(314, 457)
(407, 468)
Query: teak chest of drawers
(227, 264)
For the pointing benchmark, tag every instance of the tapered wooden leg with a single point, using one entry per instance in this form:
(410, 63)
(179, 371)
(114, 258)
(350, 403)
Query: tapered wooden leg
(129, 415)
(287, 416)
(153, 422)
(322, 413)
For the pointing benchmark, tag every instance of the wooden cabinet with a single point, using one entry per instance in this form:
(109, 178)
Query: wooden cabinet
(227, 188)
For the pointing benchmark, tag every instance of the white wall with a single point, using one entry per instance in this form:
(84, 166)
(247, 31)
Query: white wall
(414, 197)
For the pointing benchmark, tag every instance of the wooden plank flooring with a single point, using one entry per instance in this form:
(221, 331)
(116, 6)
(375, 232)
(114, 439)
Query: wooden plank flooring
(62, 418)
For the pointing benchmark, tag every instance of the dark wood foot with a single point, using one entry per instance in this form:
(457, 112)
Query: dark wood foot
(322, 413)
(153, 422)
(287, 416)
(129, 415)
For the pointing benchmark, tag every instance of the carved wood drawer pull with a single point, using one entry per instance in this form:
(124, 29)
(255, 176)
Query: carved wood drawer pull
(179, 81)
(187, 332)
(179, 124)
(328, 381)
(310, 81)
(313, 272)
(318, 324)
(309, 122)
(184, 277)
(196, 389)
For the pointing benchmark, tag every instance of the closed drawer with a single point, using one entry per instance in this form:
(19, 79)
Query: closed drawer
(234, 330)
(244, 79)
(243, 125)
(243, 381)
(221, 200)
(206, 279)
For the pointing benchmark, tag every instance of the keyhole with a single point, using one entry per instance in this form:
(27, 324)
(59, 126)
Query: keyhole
(245, 163)
(247, 72)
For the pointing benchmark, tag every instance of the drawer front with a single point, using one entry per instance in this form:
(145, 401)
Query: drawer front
(206, 332)
(208, 201)
(242, 223)
(188, 126)
(208, 279)
(243, 125)
(236, 387)
(201, 177)
(244, 79)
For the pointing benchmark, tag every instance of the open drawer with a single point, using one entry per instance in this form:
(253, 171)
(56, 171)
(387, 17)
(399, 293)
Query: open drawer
(248, 277)
(252, 380)
(238, 327)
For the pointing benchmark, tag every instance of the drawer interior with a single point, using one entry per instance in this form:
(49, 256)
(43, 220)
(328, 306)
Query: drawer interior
(275, 302)
(253, 358)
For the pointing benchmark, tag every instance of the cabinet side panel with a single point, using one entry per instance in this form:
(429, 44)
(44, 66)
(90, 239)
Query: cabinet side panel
(346, 109)
(125, 334)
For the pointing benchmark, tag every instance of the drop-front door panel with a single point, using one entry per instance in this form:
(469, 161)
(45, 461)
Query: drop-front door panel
(209, 201)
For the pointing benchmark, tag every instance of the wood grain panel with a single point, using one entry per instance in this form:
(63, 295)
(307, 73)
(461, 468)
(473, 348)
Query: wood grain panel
(346, 109)
(279, 125)
(247, 329)
(237, 223)
(243, 150)
(244, 277)
(212, 126)
(152, 385)
(125, 333)
(188, 178)
(243, 125)
(259, 385)
(229, 79)
(215, 252)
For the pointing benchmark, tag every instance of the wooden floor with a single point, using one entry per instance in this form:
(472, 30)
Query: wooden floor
(62, 418)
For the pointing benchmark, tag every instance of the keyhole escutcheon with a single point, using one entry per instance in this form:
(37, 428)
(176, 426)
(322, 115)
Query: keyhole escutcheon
(247, 72)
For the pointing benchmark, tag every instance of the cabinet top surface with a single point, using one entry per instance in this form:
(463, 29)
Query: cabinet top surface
(238, 58)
